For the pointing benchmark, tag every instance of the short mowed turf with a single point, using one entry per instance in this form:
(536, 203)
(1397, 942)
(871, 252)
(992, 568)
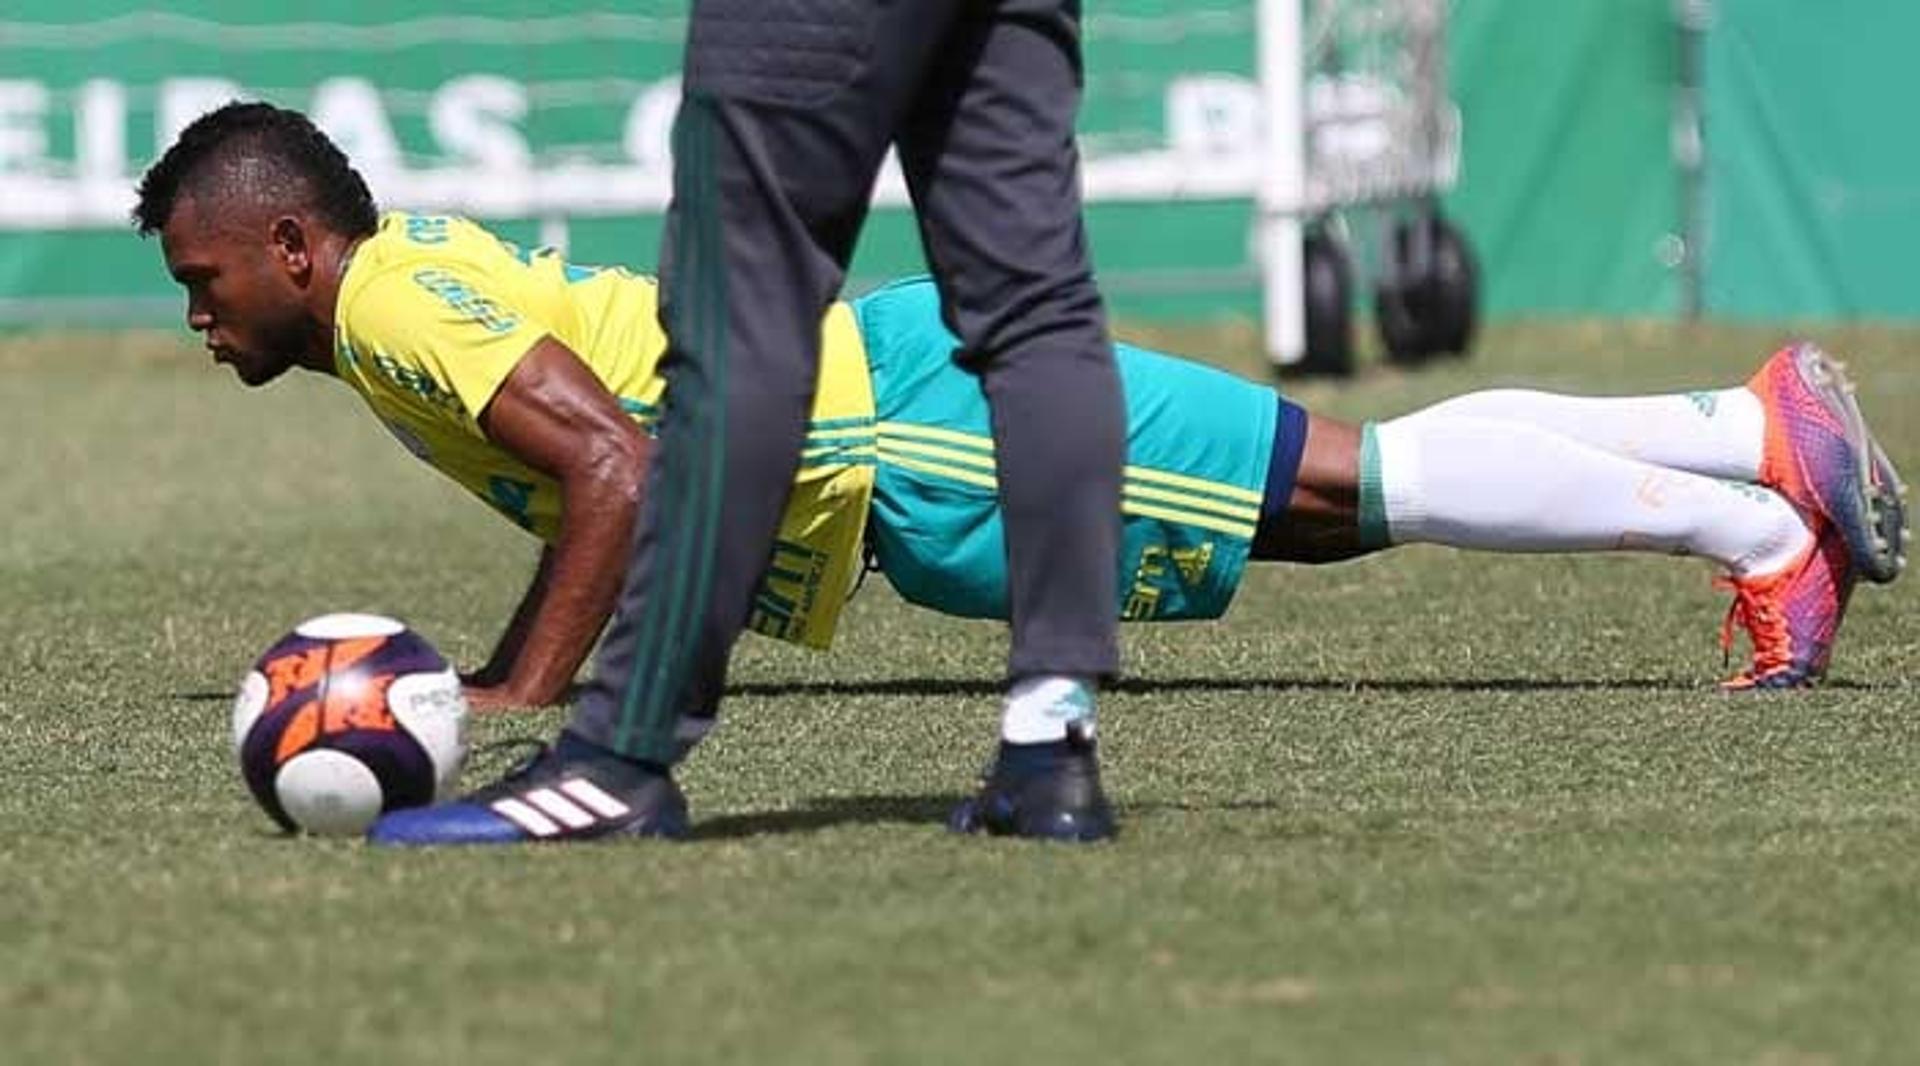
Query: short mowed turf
(1427, 807)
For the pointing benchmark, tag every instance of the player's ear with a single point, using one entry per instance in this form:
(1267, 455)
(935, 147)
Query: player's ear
(287, 241)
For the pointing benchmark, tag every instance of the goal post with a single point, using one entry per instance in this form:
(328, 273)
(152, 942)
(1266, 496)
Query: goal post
(1281, 193)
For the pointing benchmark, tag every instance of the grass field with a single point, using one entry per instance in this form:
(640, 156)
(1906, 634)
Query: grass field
(1424, 808)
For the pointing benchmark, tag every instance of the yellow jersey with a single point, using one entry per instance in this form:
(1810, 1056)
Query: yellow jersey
(435, 312)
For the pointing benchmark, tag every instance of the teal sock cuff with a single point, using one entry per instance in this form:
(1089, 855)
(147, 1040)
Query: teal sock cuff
(1373, 496)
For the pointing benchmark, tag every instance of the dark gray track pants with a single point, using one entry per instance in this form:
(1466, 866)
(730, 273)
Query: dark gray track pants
(789, 108)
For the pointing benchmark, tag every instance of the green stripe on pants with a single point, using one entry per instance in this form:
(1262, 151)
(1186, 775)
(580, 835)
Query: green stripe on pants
(688, 513)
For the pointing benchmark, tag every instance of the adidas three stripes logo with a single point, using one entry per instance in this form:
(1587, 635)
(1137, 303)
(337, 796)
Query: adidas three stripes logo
(573, 804)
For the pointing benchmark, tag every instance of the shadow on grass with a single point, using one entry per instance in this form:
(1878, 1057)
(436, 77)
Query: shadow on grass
(828, 812)
(930, 811)
(929, 686)
(953, 686)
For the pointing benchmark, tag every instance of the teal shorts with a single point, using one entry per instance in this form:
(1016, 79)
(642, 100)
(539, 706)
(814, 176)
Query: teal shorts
(1199, 444)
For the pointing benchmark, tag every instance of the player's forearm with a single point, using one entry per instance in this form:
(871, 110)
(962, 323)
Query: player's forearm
(506, 652)
(586, 566)
(554, 415)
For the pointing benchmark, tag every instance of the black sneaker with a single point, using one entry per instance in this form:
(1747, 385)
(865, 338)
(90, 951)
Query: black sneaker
(1047, 791)
(573, 790)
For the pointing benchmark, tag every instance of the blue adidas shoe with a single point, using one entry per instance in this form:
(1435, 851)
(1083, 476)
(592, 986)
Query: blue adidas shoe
(573, 790)
(1046, 791)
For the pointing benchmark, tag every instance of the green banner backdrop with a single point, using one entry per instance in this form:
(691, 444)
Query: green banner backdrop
(555, 124)
(1567, 187)
(1813, 177)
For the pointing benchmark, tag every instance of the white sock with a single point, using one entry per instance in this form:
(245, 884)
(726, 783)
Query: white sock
(1509, 487)
(1719, 432)
(1039, 709)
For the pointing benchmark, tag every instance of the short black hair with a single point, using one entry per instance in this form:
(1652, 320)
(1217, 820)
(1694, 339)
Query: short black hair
(268, 154)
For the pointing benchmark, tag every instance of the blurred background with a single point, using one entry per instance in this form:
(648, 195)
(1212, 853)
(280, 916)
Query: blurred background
(1734, 159)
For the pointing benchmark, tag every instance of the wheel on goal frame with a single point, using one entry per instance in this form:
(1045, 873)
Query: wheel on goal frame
(1428, 292)
(1327, 276)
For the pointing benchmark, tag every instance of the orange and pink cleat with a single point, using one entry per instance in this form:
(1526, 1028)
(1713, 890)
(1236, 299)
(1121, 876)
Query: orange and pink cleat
(1791, 616)
(1820, 455)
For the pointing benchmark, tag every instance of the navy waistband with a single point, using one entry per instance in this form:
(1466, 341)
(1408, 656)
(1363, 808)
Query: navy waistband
(1289, 443)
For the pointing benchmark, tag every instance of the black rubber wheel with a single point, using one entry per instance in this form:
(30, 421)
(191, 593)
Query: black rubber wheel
(1327, 276)
(1456, 296)
(1428, 296)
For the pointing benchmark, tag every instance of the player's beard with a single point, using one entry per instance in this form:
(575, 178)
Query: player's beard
(280, 348)
(256, 370)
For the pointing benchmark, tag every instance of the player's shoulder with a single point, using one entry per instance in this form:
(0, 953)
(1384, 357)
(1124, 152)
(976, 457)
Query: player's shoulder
(405, 239)
(413, 261)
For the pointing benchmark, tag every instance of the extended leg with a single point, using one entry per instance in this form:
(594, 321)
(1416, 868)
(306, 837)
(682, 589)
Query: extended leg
(1715, 432)
(1509, 487)
(1794, 427)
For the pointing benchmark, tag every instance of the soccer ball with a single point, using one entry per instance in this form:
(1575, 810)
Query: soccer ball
(346, 717)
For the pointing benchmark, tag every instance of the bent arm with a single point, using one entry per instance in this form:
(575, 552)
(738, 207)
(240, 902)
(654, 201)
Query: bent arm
(554, 415)
(506, 651)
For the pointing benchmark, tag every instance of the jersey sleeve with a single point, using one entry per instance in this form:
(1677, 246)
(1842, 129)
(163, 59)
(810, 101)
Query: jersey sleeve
(442, 333)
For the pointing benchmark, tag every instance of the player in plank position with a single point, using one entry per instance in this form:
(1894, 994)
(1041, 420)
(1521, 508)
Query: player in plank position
(532, 382)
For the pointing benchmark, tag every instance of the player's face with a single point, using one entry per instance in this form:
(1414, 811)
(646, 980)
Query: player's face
(241, 295)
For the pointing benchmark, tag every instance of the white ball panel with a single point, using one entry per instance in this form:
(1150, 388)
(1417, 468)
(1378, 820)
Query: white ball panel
(248, 705)
(346, 626)
(329, 793)
(433, 709)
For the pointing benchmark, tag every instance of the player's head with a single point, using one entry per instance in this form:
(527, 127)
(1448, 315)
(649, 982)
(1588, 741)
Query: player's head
(244, 202)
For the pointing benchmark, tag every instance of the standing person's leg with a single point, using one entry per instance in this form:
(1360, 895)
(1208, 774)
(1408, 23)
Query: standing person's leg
(786, 116)
(989, 153)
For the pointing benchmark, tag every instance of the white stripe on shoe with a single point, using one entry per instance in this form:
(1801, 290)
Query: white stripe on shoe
(561, 808)
(595, 798)
(517, 812)
(572, 805)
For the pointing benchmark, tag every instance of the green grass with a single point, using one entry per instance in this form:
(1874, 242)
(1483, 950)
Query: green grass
(1428, 807)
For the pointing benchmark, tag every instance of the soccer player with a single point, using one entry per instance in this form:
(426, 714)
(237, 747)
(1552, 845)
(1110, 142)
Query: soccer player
(533, 383)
